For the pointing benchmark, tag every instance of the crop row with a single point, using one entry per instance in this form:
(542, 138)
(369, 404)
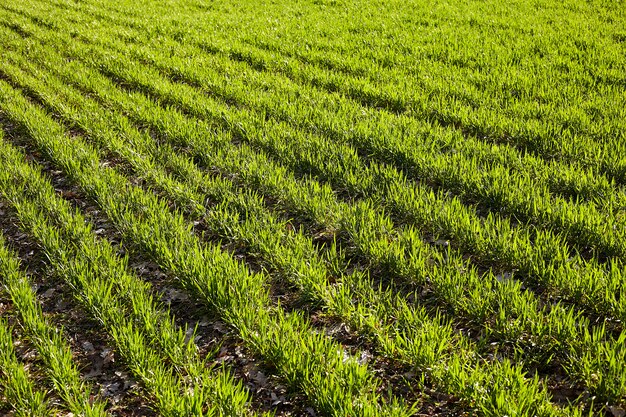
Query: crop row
(115, 298)
(584, 225)
(550, 265)
(421, 343)
(306, 359)
(489, 241)
(371, 209)
(50, 345)
(489, 176)
(552, 126)
(557, 317)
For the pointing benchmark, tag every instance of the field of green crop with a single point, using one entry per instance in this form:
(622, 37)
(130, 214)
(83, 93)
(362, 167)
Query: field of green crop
(313, 208)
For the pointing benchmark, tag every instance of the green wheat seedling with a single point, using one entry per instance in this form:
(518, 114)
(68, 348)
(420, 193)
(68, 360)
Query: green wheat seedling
(400, 204)
(363, 77)
(503, 329)
(15, 382)
(403, 153)
(405, 202)
(415, 338)
(445, 179)
(50, 343)
(95, 273)
(287, 341)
